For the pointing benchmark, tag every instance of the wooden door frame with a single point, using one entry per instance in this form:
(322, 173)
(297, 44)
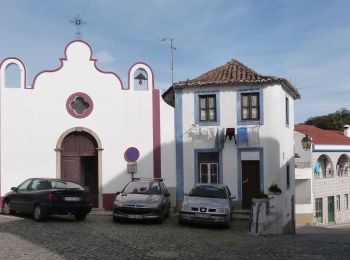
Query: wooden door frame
(247, 198)
(239, 168)
(99, 149)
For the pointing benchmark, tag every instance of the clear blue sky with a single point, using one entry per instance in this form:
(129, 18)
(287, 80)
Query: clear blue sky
(304, 41)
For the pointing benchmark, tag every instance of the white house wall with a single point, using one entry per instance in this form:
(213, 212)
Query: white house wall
(276, 139)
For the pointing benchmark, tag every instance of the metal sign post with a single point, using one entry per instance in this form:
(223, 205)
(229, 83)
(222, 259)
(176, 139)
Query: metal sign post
(132, 168)
(131, 155)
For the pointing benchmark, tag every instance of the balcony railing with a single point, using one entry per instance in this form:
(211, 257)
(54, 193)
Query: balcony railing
(302, 164)
(343, 172)
(302, 200)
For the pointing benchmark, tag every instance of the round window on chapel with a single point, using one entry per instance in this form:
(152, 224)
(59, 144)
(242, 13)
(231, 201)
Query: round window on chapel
(79, 105)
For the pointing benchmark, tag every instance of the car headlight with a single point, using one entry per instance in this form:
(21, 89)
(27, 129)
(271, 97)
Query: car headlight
(222, 210)
(186, 207)
(153, 205)
(117, 203)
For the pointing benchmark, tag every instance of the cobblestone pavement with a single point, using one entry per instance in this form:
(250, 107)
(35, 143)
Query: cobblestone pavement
(99, 238)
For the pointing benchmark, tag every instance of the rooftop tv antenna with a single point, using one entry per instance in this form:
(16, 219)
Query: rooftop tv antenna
(78, 22)
(172, 49)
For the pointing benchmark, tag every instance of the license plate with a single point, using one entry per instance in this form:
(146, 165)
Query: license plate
(72, 198)
(135, 216)
(199, 215)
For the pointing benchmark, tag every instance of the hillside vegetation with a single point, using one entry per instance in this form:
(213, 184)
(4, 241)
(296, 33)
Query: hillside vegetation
(333, 121)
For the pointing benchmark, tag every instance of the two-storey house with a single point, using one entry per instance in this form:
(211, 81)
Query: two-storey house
(235, 126)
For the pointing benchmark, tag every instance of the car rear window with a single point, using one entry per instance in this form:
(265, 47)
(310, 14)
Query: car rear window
(209, 192)
(65, 185)
(141, 187)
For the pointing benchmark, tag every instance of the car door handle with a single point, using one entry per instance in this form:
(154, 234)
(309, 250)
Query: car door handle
(246, 180)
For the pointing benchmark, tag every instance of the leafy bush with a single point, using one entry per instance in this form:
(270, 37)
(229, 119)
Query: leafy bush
(261, 195)
(275, 189)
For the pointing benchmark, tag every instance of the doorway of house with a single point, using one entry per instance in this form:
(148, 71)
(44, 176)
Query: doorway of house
(79, 162)
(331, 209)
(250, 182)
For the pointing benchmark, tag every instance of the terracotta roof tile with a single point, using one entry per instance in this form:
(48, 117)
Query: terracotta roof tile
(320, 136)
(235, 73)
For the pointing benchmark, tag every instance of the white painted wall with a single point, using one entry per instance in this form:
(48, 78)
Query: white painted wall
(32, 120)
(275, 137)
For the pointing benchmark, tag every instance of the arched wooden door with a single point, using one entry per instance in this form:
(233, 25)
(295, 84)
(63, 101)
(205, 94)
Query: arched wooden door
(79, 161)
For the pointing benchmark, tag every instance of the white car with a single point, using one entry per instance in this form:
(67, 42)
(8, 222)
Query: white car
(207, 204)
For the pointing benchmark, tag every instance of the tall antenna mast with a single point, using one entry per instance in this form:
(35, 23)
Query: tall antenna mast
(172, 49)
(77, 22)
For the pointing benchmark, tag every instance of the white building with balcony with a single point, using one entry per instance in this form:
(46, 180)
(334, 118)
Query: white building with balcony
(322, 176)
(235, 126)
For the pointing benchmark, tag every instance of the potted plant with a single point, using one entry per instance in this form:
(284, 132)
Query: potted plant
(262, 200)
(261, 195)
(274, 189)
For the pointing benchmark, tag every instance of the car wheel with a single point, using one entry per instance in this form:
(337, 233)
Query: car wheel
(181, 221)
(80, 217)
(39, 213)
(161, 217)
(6, 208)
(167, 213)
(116, 219)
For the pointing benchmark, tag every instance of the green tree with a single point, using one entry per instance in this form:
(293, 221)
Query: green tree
(332, 121)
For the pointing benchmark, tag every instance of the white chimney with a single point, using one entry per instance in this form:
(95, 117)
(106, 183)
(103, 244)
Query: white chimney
(347, 130)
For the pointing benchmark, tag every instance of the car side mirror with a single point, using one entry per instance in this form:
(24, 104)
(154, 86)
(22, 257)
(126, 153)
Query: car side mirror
(118, 192)
(232, 197)
(14, 189)
(167, 194)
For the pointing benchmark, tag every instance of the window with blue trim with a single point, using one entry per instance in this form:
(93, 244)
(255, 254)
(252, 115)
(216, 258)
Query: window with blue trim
(208, 164)
(207, 107)
(250, 107)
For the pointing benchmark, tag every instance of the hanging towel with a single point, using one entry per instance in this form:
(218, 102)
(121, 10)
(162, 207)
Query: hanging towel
(242, 135)
(211, 132)
(219, 139)
(222, 139)
(230, 132)
(317, 168)
(253, 136)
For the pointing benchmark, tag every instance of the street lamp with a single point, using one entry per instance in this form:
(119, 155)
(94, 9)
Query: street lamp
(306, 142)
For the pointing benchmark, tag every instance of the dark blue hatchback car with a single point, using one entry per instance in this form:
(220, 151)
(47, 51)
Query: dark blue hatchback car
(42, 197)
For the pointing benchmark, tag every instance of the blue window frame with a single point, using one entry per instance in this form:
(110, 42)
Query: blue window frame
(207, 108)
(207, 166)
(250, 106)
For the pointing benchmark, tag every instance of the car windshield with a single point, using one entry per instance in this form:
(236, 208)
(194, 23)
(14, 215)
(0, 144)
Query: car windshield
(56, 184)
(209, 192)
(143, 187)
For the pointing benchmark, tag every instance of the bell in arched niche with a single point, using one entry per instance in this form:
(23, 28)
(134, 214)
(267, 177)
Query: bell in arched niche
(140, 79)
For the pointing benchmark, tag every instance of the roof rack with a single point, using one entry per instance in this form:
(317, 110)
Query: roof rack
(154, 179)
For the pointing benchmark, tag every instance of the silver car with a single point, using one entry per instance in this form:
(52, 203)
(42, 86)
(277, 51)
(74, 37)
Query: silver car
(207, 203)
(142, 199)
